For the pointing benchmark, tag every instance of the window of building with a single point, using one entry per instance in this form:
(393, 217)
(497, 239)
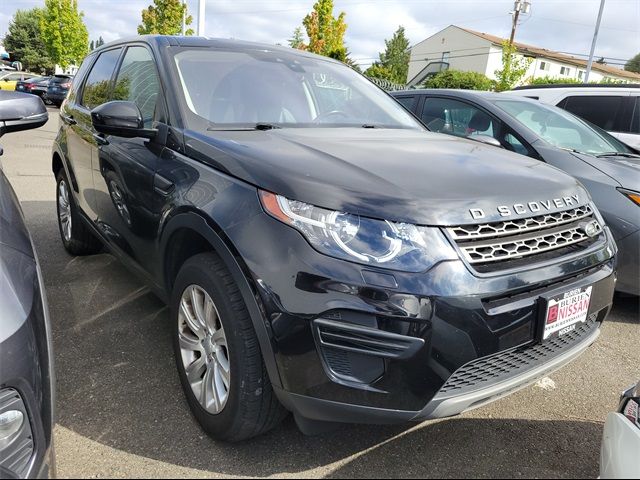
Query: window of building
(544, 66)
(581, 74)
(445, 56)
(565, 71)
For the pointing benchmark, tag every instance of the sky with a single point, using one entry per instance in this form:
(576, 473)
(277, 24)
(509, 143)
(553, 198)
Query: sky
(561, 25)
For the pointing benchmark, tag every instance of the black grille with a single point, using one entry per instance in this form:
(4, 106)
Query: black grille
(480, 373)
(501, 245)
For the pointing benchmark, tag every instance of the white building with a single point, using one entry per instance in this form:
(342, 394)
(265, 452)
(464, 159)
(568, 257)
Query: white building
(469, 50)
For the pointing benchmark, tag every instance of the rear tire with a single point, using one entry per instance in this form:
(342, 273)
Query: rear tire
(206, 304)
(76, 236)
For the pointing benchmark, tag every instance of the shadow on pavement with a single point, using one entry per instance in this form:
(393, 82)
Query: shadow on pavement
(117, 385)
(626, 308)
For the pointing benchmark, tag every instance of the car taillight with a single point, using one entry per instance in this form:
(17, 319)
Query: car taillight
(66, 85)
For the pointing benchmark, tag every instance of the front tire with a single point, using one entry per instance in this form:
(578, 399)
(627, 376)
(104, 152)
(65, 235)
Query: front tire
(75, 234)
(218, 355)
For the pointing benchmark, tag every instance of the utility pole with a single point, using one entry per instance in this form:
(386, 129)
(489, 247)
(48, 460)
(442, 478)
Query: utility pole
(520, 6)
(201, 9)
(593, 44)
(184, 18)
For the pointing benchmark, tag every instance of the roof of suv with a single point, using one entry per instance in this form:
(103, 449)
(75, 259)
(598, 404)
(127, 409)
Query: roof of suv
(223, 43)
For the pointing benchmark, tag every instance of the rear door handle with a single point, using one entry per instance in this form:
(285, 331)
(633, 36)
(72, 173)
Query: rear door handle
(100, 140)
(162, 186)
(69, 120)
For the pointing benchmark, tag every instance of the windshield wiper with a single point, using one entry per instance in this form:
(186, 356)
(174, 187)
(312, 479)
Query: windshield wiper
(242, 128)
(618, 154)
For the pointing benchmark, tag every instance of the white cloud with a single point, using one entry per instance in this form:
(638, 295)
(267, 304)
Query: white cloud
(563, 25)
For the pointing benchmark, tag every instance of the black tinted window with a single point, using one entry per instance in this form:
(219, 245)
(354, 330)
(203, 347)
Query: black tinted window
(96, 88)
(138, 82)
(407, 102)
(601, 111)
(635, 121)
(61, 80)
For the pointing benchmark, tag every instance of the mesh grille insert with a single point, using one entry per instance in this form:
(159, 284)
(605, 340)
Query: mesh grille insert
(480, 373)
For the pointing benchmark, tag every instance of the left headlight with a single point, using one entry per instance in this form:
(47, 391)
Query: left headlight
(391, 245)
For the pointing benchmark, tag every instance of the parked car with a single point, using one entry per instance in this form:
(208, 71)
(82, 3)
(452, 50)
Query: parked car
(25, 86)
(621, 439)
(614, 108)
(319, 250)
(26, 360)
(40, 88)
(57, 88)
(9, 79)
(606, 167)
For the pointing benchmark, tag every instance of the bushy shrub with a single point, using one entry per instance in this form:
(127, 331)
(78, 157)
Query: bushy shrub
(459, 79)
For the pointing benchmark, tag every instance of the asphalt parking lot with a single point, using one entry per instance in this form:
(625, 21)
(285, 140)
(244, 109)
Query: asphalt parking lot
(121, 412)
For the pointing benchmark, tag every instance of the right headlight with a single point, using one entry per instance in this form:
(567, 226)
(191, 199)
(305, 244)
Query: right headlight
(391, 245)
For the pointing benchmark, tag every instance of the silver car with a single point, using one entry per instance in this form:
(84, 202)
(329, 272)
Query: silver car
(620, 456)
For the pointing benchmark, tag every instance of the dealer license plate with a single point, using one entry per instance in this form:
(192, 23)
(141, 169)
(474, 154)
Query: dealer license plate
(566, 311)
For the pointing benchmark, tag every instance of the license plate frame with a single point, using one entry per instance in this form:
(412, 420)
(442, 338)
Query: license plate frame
(562, 313)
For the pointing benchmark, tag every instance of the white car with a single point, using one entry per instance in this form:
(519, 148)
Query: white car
(620, 455)
(614, 108)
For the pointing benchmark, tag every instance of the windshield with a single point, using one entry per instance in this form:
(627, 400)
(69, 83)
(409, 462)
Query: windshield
(230, 88)
(561, 128)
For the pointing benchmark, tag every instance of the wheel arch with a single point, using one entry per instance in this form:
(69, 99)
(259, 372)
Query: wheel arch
(58, 162)
(188, 234)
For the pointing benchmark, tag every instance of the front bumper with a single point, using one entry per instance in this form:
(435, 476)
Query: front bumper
(405, 336)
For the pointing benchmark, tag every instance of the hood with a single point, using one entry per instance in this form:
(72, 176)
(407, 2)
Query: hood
(13, 232)
(625, 171)
(399, 175)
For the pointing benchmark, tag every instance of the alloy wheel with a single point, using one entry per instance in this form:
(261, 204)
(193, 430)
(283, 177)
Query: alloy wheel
(64, 210)
(204, 349)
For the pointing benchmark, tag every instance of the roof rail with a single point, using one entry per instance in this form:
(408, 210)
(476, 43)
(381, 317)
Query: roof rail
(580, 85)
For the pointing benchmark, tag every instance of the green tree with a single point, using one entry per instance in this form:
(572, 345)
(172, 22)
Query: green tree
(100, 42)
(633, 65)
(297, 40)
(92, 46)
(24, 43)
(164, 17)
(459, 79)
(325, 31)
(394, 62)
(63, 32)
(513, 68)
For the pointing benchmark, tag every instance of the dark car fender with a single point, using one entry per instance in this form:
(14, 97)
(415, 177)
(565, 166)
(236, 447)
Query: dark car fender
(198, 224)
(59, 160)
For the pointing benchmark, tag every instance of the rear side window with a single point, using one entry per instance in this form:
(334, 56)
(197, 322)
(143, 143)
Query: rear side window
(97, 86)
(635, 119)
(138, 82)
(77, 80)
(603, 111)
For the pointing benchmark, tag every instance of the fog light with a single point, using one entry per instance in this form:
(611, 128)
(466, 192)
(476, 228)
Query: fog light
(10, 424)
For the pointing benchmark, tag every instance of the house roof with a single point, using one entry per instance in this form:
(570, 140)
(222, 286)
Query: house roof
(560, 57)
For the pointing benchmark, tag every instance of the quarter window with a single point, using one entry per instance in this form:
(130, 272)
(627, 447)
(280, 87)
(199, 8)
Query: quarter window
(137, 82)
(602, 111)
(96, 89)
(407, 102)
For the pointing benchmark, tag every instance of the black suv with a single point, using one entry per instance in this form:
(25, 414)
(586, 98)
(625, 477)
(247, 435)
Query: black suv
(320, 251)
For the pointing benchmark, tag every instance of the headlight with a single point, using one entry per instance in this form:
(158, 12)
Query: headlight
(633, 196)
(395, 246)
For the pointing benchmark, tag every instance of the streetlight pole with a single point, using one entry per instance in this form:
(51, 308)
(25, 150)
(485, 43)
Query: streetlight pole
(201, 9)
(520, 6)
(593, 44)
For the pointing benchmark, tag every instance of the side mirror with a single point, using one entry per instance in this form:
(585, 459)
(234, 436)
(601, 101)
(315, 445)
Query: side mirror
(486, 139)
(21, 111)
(121, 119)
